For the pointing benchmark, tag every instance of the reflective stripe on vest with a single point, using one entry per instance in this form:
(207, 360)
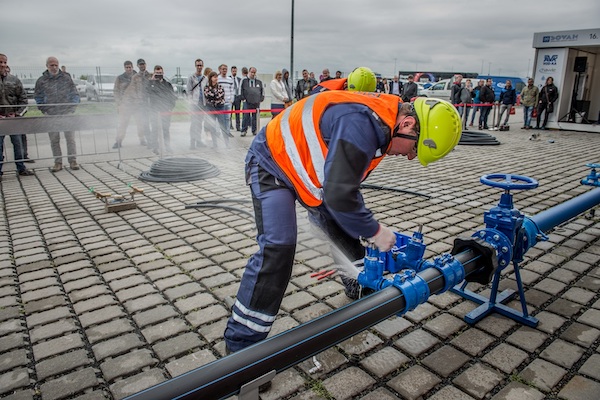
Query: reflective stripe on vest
(298, 148)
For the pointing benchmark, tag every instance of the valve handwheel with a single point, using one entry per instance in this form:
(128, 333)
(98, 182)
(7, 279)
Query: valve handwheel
(509, 181)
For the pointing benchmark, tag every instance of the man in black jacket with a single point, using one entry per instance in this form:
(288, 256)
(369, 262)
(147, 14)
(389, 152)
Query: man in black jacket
(410, 90)
(486, 97)
(162, 101)
(253, 95)
(12, 94)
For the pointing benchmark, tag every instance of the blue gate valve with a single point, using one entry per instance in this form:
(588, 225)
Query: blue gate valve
(593, 179)
(507, 230)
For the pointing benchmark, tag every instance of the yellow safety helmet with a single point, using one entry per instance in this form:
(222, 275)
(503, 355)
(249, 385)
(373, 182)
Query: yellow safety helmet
(440, 128)
(362, 79)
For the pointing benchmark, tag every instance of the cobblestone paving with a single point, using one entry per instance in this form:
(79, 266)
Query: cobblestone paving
(100, 305)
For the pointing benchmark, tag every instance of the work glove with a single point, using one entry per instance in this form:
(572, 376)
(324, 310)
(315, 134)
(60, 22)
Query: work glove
(384, 239)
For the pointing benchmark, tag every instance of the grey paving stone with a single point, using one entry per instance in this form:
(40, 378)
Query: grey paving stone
(126, 283)
(414, 382)
(41, 294)
(542, 374)
(450, 393)
(323, 363)
(127, 364)
(416, 342)
(283, 385)
(527, 338)
(478, 380)
(421, 313)
(164, 330)
(384, 362)
(580, 388)
(135, 292)
(207, 315)
(114, 347)
(196, 301)
(348, 382)
(137, 383)
(590, 283)
(60, 364)
(380, 394)
(549, 322)
(311, 312)
(505, 357)
(536, 297)
(48, 316)
(580, 334)
(56, 346)
(564, 307)
(12, 380)
(360, 343)
(473, 341)
(392, 326)
(445, 360)
(562, 353)
(87, 293)
(518, 391)
(11, 341)
(19, 395)
(590, 317)
(189, 362)
(550, 286)
(155, 315)
(177, 345)
(578, 295)
(296, 301)
(495, 324)
(100, 316)
(591, 367)
(108, 330)
(94, 304)
(69, 385)
(13, 359)
(445, 325)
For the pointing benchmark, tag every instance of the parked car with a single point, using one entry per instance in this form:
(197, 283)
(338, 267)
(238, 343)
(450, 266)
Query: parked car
(29, 86)
(441, 89)
(179, 85)
(81, 86)
(100, 87)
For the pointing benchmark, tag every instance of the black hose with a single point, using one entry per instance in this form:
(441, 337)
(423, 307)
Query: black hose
(478, 138)
(215, 204)
(179, 170)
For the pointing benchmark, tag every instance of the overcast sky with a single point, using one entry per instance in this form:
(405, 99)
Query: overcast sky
(386, 35)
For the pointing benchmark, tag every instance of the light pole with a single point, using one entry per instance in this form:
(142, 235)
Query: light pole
(395, 71)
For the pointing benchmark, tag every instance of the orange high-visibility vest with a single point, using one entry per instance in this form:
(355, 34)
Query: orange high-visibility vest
(331, 84)
(296, 144)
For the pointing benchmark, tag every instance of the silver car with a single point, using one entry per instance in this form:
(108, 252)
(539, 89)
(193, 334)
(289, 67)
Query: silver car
(29, 86)
(100, 87)
(80, 87)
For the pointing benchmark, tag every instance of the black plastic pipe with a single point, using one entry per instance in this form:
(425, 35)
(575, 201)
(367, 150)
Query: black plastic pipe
(225, 377)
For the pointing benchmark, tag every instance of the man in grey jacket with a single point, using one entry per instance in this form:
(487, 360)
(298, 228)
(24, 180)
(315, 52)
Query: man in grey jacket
(56, 94)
